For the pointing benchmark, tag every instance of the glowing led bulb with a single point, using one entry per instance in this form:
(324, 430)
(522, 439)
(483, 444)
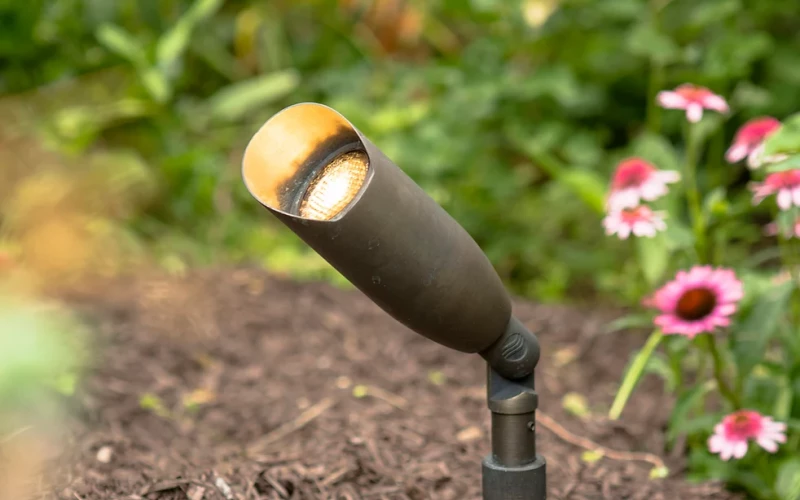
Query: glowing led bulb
(335, 186)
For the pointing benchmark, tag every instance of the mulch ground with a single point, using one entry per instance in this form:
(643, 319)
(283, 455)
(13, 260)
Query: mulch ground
(232, 384)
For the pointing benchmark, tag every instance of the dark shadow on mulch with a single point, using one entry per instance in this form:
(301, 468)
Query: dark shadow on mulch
(261, 388)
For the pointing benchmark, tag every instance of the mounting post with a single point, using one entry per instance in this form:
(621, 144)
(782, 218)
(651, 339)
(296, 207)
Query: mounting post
(514, 470)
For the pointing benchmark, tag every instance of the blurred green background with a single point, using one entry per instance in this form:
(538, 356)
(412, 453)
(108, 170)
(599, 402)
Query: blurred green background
(511, 114)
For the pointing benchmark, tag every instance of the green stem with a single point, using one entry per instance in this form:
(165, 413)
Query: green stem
(702, 368)
(655, 84)
(719, 375)
(675, 365)
(693, 194)
(789, 257)
(633, 374)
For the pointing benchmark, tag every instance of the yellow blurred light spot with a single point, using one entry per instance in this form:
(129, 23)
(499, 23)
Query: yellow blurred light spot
(437, 378)
(659, 472)
(153, 403)
(360, 391)
(565, 355)
(537, 12)
(591, 456)
(198, 397)
(576, 404)
(472, 433)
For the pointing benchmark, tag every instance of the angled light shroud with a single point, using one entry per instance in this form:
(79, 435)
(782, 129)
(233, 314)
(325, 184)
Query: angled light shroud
(391, 240)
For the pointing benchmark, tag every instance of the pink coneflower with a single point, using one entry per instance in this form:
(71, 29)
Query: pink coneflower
(785, 184)
(731, 436)
(749, 142)
(793, 231)
(693, 99)
(697, 301)
(641, 221)
(636, 179)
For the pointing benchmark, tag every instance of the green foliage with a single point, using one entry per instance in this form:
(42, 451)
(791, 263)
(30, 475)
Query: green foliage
(511, 114)
(786, 139)
(752, 361)
(39, 348)
(511, 120)
(758, 326)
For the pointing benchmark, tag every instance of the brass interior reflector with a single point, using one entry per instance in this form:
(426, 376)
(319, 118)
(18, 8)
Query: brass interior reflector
(335, 186)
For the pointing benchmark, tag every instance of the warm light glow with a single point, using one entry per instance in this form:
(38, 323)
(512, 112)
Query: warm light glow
(335, 186)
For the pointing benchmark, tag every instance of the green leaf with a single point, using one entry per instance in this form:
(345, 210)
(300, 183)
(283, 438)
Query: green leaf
(629, 321)
(712, 12)
(786, 139)
(656, 149)
(762, 392)
(122, 43)
(688, 400)
(235, 101)
(790, 163)
(706, 127)
(65, 383)
(783, 403)
(677, 236)
(645, 40)
(203, 9)
(156, 84)
(587, 185)
(716, 202)
(634, 374)
(658, 365)
(173, 44)
(76, 121)
(35, 350)
(755, 330)
(393, 118)
(787, 485)
(701, 425)
(653, 257)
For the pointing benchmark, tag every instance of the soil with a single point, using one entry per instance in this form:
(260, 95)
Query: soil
(234, 384)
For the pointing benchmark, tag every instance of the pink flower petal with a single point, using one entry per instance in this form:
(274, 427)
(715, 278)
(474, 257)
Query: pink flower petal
(715, 102)
(671, 100)
(653, 190)
(626, 198)
(694, 112)
(737, 153)
(668, 176)
(768, 444)
(740, 449)
(756, 157)
(727, 450)
(716, 443)
(784, 199)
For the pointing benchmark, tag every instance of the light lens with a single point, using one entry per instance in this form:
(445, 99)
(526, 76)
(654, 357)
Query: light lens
(335, 186)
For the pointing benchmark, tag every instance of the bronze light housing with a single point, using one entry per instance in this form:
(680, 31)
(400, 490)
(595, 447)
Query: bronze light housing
(315, 172)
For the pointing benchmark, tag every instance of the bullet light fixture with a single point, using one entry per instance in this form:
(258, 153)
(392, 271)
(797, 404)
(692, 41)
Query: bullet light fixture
(322, 178)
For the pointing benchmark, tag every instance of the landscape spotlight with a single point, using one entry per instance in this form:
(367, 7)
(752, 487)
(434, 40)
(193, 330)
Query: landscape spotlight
(330, 185)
